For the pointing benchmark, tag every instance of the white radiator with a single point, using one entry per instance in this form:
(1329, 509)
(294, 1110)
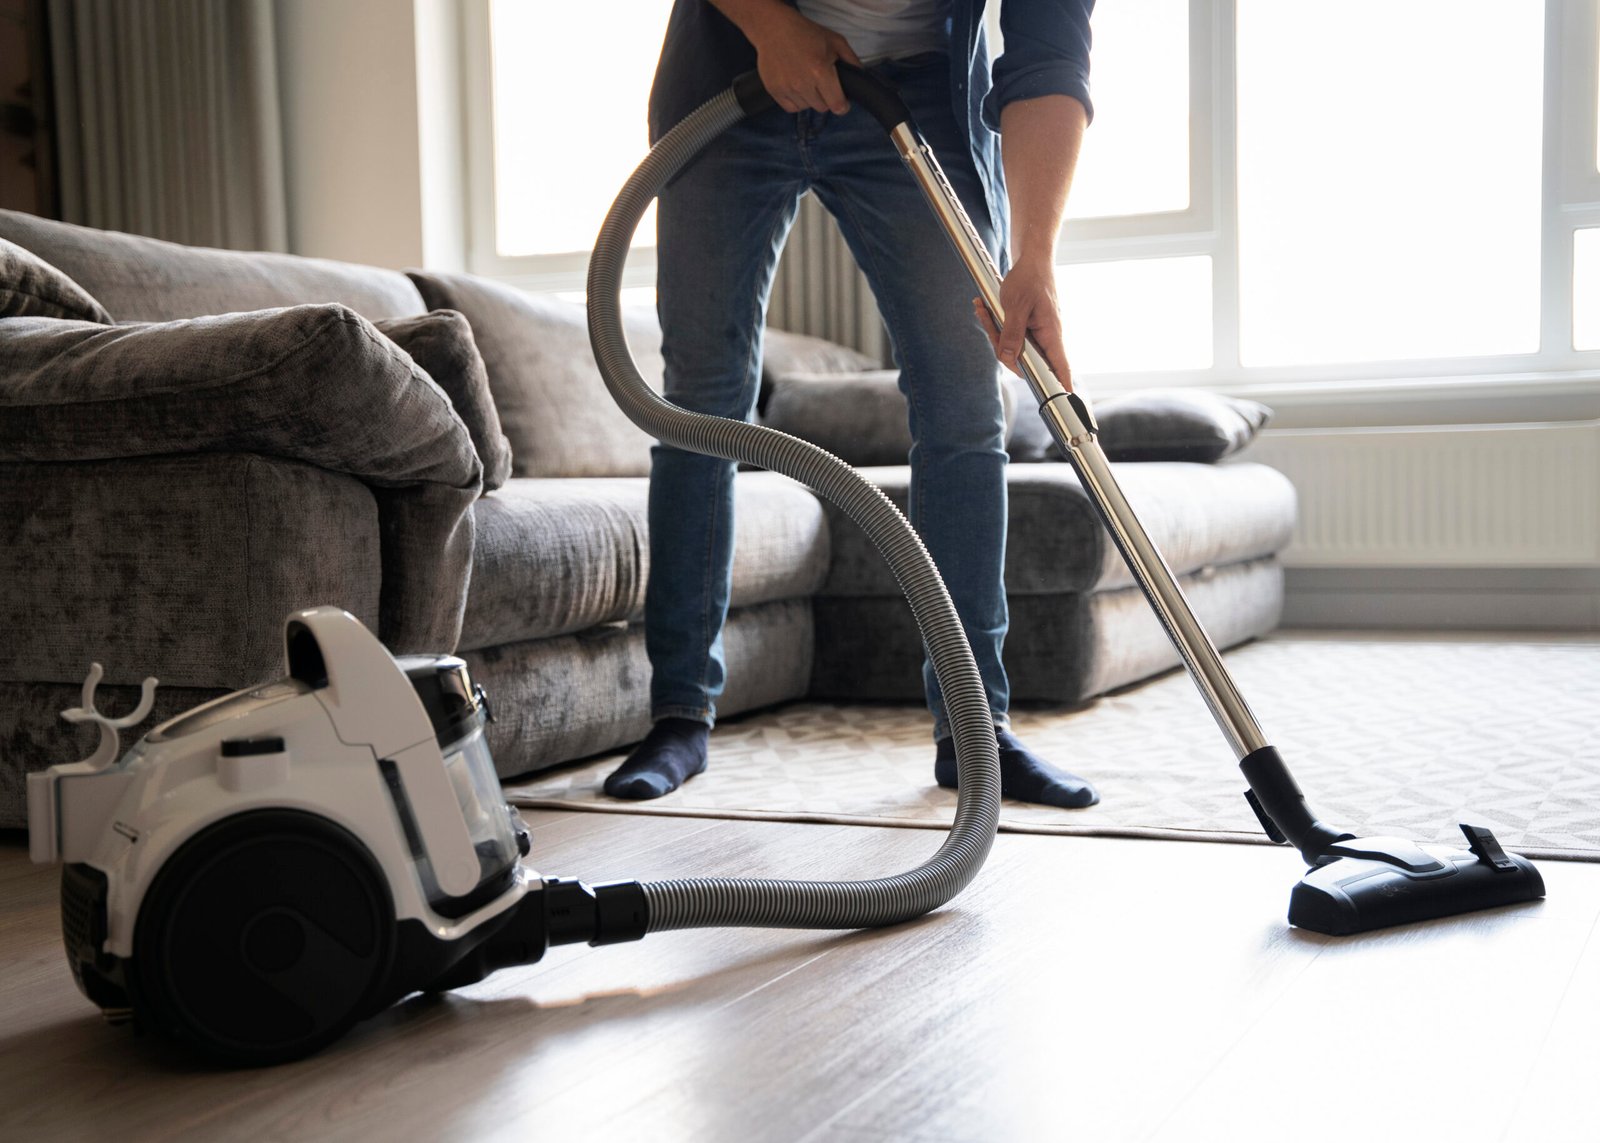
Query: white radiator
(1489, 496)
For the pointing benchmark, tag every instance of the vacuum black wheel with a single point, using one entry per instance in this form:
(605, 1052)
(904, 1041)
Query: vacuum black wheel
(263, 938)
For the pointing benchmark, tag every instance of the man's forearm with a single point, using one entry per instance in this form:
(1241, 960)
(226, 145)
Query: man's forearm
(1040, 140)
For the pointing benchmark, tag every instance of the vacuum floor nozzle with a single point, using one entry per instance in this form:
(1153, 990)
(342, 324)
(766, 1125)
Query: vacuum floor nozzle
(1353, 893)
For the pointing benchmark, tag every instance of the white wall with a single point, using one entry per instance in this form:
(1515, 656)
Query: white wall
(372, 131)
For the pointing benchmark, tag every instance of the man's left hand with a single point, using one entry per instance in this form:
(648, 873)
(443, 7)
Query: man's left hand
(1028, 297)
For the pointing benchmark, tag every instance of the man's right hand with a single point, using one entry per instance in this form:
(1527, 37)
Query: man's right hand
(794, 57)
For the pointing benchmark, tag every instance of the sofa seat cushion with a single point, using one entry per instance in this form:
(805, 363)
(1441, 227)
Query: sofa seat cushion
(1061, 648)
(146, 279)
(555, 556)
(576, 695)
(1197, 515)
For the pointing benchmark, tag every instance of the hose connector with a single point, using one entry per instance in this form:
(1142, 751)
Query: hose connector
(604, 914)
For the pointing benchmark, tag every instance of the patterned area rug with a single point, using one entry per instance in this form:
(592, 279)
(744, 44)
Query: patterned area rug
(1386, 735)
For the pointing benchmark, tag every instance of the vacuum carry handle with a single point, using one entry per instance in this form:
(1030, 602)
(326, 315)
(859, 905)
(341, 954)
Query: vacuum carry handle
(877, 98)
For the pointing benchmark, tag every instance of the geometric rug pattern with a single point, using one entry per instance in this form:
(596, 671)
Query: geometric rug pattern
(1389, 734)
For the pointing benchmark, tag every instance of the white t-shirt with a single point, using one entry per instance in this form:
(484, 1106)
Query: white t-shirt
(884, 29)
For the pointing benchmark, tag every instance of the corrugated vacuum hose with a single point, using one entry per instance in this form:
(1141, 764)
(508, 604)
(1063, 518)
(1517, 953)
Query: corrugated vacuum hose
(717, 901)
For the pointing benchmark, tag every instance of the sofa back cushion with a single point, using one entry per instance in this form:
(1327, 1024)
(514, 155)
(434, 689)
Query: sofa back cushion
(31, 287)
(552, 401)
(145, 279)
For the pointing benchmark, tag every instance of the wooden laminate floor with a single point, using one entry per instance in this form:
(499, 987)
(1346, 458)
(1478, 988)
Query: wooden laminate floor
(1083, 988)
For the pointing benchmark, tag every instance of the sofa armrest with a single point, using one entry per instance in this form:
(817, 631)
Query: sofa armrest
(180, 567)
(315, 384)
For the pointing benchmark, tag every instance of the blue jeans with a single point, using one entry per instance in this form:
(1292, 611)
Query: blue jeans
(721, 226)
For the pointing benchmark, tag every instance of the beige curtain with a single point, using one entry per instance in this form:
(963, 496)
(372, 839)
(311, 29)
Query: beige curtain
(168, 119)
(820, 291)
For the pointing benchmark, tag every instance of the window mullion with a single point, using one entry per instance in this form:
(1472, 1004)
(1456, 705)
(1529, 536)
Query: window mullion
(1573, 82)
(1571, 184)
(1217, 60)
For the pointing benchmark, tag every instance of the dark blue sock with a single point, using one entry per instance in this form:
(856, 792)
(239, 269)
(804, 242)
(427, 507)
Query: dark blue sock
(673, 752)
(1023, 775)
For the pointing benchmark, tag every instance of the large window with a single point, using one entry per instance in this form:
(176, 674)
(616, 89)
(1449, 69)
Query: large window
(1141, 130)
(1377, 189)
(1272, 190)
(570, 127)
(1390, 161)
(558, 130)
(1586, 289)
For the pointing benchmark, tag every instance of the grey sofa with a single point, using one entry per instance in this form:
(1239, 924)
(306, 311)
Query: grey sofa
(436, 453)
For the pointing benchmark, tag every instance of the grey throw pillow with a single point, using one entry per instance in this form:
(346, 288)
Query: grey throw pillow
(1177, 424)
(1151, 424)
(1030, 440)
(785, 354)
(441, 342)
(859, 417)
(31, 287)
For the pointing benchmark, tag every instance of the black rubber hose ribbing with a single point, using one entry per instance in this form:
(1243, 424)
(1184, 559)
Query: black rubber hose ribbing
(719, 901)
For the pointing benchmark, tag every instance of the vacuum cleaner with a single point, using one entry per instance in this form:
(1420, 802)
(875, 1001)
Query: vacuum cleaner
(1352, 884)
(256, 875)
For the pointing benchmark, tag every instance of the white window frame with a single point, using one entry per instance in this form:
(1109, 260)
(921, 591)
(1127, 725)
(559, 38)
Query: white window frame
(1208, 226)
(1570, 201)
(1572, 180)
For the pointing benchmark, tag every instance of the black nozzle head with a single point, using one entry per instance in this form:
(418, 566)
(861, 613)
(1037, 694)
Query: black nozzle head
(1355, 894)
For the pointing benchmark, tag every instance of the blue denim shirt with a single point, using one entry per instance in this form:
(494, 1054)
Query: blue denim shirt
(1047, 53)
